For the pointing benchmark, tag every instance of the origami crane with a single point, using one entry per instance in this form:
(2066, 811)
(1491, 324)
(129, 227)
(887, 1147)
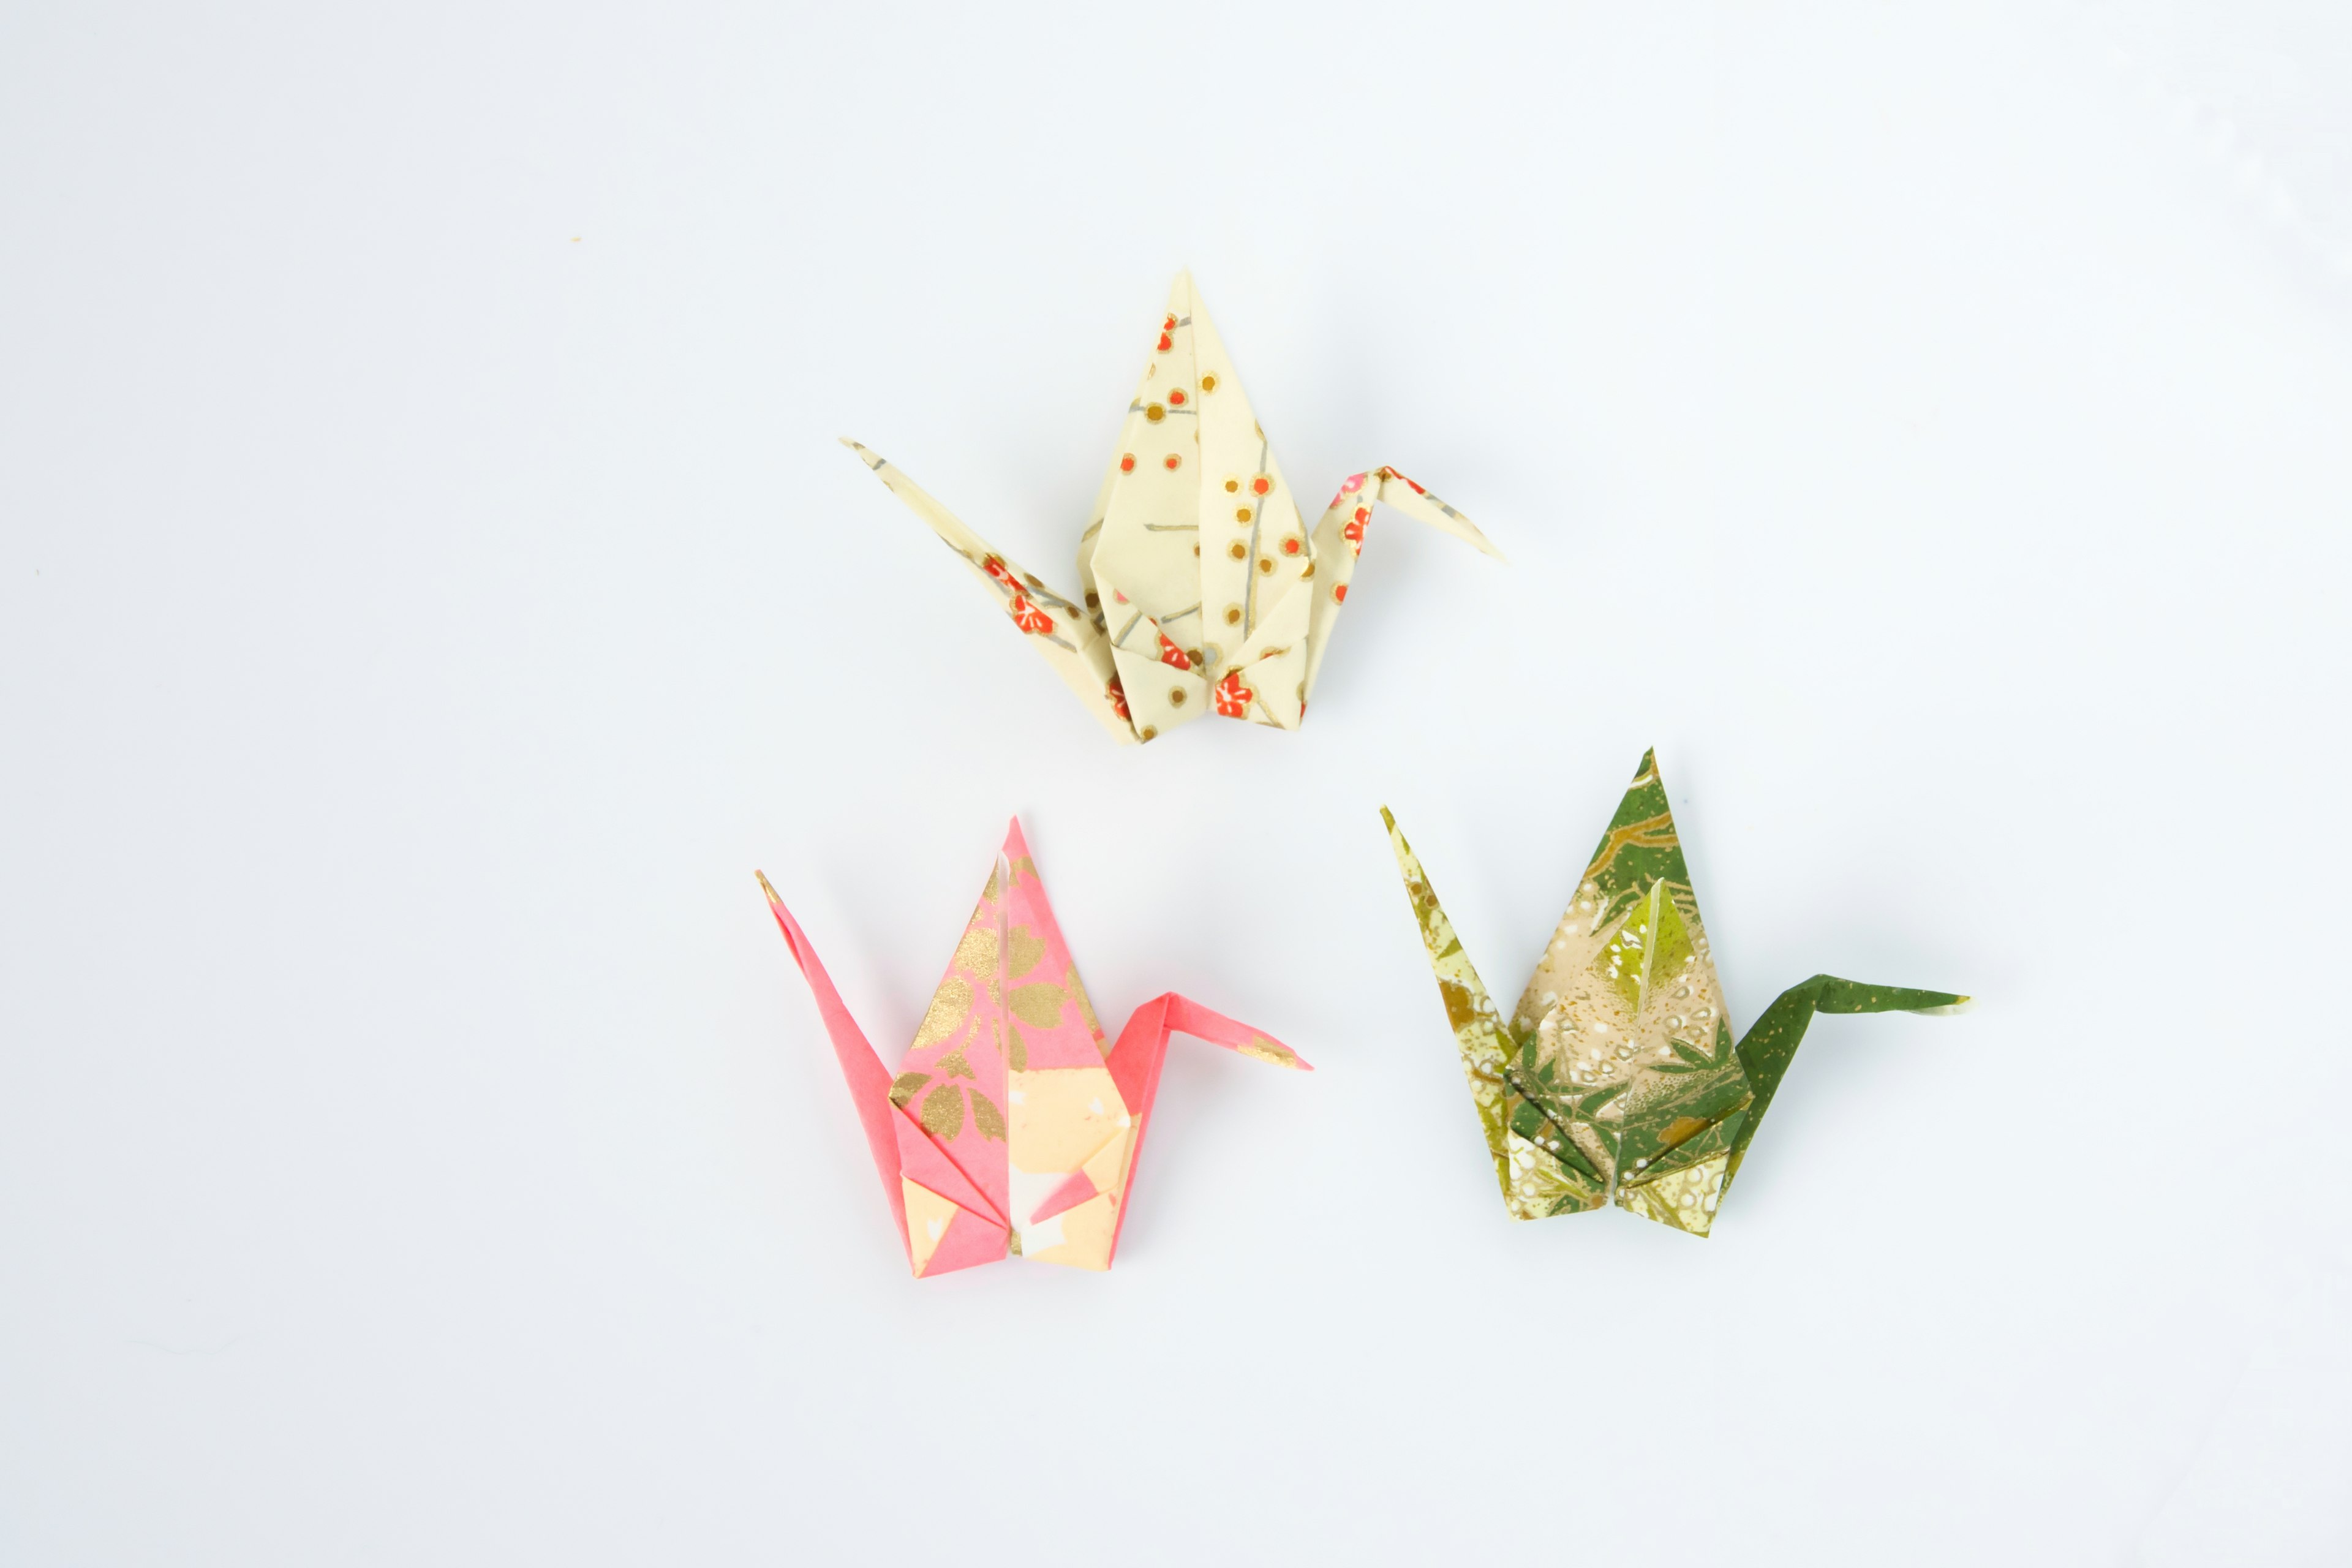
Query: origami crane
(1202, 589)
(1013, 1126)
(1616, 1078)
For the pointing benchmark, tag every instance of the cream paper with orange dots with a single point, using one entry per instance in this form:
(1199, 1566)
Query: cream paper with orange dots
(1203, 590)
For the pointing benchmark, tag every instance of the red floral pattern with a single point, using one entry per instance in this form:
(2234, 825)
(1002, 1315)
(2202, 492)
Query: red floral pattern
(1252, 550)
(1232, 698)
(1027, 615)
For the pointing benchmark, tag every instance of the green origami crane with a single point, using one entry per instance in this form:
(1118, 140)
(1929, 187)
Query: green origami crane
(1616, 1078)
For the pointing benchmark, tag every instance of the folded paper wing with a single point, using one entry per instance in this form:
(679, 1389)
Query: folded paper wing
(927, 1193)
(1615, 1080)
(1202, 589)
(1014, 1123)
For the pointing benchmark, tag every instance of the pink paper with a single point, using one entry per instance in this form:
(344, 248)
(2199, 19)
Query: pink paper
(1004, 1115)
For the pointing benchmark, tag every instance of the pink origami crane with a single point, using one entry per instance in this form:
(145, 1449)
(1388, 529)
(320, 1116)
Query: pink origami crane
(1013, 1126)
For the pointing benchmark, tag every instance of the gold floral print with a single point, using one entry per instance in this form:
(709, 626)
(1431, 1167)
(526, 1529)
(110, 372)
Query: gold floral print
(943, 1112)
(1038, 1006)
(986, 1117)
(951, 1005)
(1027, 949)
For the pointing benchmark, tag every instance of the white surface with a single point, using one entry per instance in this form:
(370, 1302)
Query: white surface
(428, 586)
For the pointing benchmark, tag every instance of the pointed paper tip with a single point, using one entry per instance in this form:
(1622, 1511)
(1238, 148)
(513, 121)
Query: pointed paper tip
(1265, 1048)
(1477, 537)
(1388, 819)
(768, 888)
(1957, 1004)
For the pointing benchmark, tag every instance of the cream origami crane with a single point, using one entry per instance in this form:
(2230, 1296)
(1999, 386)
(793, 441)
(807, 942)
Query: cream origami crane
(1616, 1078)
(1013, 1126)
(1202, 589)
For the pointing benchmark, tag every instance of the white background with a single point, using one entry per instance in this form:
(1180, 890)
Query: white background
(429, 585)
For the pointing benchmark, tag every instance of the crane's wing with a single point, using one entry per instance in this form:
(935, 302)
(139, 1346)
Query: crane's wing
(1537, 1162)
(943, 1219)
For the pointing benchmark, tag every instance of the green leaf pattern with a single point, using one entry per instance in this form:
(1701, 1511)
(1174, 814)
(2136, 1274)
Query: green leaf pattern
(1616, 1078)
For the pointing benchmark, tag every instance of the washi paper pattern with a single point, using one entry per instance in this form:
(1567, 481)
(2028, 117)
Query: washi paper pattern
(1012, 1125)
(1615, 1080)
(1201, 590)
